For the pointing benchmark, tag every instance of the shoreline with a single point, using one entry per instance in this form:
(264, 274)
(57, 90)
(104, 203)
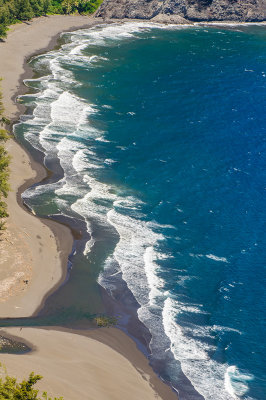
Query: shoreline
(54, 235)
(60, 232)
(15, 109)
(29, 171)
(110, 365)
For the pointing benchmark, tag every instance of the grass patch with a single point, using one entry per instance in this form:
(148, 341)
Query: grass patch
(105, 321)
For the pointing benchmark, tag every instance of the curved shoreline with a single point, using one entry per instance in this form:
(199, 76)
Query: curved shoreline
(34, 172)
(100, 364)
(15, 109)
(26, 171)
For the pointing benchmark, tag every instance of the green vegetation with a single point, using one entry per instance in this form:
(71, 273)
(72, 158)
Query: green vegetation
(104, 321)
(71, 6)
(12, 390)
(4, 167)
(12, 11)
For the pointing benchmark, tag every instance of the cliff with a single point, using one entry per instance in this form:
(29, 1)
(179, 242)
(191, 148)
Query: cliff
(185, 10)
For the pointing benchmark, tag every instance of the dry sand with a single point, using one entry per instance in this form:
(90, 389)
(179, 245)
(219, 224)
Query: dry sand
(78, 367)
(32, 260)
(104, 365)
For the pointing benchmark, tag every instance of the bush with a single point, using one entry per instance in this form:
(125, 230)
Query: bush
(104, 321)
(12, 390)
(3, 30)
(12, 11)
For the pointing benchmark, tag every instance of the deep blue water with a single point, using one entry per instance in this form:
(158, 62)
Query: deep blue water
(161, 135)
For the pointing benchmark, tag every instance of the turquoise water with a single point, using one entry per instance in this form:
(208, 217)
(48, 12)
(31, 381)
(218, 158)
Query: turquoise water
(160, 134)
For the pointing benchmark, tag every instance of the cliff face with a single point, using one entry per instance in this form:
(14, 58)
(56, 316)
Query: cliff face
(183, 10)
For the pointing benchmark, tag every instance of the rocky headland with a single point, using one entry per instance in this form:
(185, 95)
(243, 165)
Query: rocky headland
(183, 11)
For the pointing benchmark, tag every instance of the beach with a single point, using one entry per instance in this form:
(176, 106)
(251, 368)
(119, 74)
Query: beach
(35, 252)
(85, 367)
(30, 280)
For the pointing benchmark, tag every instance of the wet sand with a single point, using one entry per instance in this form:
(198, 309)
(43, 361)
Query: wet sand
(34, 252)
(34, 261)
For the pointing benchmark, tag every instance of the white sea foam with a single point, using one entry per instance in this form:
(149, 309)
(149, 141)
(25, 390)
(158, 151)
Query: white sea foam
(60, 116)
(187, 348)
(236, 382)
(231, 24)
(136, 256)
(154, 282)
(103, 35)
(57, 114)
(82, 160)
(102, 139)
(109, 35)
(60, 73)
(41, 189)
(228, 383)
(216, 258)
(68, 110)
(210, 256)
(96, 203)
(67, 188)
(135, 238)
(109, 161)
(205, 374)
(90, 243)
(138, 260)
(86, 62)
(77, 50)
(66, 151)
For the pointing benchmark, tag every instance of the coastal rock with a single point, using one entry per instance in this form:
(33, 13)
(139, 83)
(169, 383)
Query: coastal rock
(182, 11)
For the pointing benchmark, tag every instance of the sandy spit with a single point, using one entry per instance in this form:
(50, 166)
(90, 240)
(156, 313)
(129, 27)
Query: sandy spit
(84, 367)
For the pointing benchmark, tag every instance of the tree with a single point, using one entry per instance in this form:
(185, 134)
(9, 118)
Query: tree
(3, 30)
(46, 6)
(69, 5)
(10, 389)
(37, 7)
(12, 11)
(23, 10)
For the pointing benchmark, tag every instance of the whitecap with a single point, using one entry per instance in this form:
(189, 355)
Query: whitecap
(236, 382)
(205, 374)
(216, 258)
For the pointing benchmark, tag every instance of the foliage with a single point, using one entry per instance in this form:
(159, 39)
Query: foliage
(104, 321)
(12, 390)
(12, 11)
(4, 169)
(81, 6)
(3, 30)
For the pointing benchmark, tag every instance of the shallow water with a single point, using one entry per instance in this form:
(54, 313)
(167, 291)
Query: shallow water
(160, 132)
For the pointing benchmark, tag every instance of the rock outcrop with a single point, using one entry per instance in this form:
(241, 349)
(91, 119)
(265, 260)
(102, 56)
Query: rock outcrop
(178, 11)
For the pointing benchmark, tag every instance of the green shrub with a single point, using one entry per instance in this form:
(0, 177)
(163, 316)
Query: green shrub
(3, 30)
(12, 390)
(104, 321)
(12, 11)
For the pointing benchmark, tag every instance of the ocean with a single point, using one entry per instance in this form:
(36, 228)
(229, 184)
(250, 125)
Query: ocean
(156, 139)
